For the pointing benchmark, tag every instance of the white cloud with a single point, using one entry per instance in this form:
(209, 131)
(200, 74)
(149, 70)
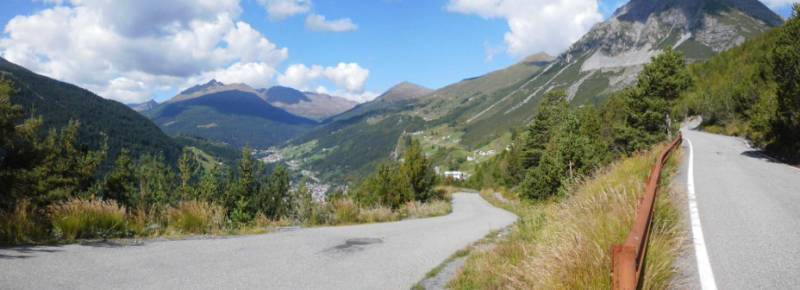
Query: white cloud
(255, 74)
(349, 79)
(535, 25)
(278, 10)
(316, 22)
(87, 42)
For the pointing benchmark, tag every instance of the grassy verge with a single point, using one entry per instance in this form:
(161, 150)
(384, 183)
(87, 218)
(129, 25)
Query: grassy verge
(565, 244)
(91, 219)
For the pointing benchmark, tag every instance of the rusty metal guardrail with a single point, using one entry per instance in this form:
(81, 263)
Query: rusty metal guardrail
(627, 260)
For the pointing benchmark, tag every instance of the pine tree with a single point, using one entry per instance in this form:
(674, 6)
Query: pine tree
(548, 115)
(418, 172)
(186, 170)
(387, 187)
(156, 182)
(279, 201)
(209, 186)
(120, 183)
(649, 104)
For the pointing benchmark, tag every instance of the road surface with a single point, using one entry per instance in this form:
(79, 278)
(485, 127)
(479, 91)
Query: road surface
(748, 208)
(375, 256)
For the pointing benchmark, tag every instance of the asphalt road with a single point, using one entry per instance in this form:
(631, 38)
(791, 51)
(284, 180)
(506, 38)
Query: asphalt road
(749, 214)
(375, 256)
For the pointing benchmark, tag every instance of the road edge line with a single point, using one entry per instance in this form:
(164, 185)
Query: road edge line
(707, 281)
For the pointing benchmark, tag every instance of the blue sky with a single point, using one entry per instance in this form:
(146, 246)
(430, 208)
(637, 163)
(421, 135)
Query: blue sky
(381, 43)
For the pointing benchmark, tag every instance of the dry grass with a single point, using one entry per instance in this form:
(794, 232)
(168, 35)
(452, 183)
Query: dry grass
(345, 211)
(377, 215)
(566, 245)
(18, 226)
(416, 209)
(196, 217)
(87, 218)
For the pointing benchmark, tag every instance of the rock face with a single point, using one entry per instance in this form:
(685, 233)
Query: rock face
(143, 107)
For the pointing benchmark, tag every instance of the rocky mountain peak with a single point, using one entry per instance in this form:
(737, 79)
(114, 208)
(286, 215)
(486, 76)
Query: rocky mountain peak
(643, 26)
(213, 83)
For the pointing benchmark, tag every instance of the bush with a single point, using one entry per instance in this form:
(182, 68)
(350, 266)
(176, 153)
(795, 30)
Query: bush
(18, 226)
(87, 218)
(196, 217)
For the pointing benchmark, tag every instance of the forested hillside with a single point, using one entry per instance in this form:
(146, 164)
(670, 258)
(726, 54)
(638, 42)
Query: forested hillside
(100, 120)
(562, 145)
(753, 91)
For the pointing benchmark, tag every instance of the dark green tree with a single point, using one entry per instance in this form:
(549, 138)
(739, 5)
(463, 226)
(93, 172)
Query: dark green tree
(274, 199)
(548, 115)
(209, 187)
(649, 105)
(156, 183)
(120, 184)
(385, 187)
(417, 171)
(786, 70)
(187, 168)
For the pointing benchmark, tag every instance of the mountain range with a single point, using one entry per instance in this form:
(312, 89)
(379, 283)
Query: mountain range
(477, 114)
(340, 138)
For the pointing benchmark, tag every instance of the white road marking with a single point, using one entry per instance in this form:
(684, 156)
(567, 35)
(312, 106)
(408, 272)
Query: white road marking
(703, 264)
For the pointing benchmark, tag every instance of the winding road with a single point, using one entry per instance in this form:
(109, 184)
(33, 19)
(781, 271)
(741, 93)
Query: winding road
(374, 256)
(745, 215)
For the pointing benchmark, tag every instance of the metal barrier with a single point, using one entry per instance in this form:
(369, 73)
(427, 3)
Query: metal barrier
(627, 260)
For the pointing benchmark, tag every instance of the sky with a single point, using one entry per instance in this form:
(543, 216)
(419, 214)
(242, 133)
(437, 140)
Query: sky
(135, 50)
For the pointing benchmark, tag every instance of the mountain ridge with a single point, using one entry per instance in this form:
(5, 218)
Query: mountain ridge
(58, 102)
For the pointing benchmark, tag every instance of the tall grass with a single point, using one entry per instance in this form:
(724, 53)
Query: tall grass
(196, 217)
(18, 226)
(345, 211)
(87, 218)
(377, 215)
(416, 209)
(566, 244)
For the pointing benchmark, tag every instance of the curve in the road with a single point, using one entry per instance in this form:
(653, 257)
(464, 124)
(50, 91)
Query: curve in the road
(374, 256)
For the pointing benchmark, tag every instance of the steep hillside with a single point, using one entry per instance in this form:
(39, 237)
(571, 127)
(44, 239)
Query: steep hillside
(306, 104)
(751, 91)
(58, 102)
(612, 53)
(231, 115)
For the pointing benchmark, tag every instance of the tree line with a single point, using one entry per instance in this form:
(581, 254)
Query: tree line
(43, 172)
